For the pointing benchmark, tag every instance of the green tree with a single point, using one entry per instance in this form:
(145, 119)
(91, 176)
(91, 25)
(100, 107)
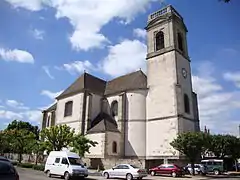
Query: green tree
(57, 137)
(191, 144)
(233, 149)
(219, 145)
(20, 125)
(4, 143)
(82, 144)
(19, 141)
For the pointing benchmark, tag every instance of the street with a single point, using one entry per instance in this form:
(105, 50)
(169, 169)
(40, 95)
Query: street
(29, 174)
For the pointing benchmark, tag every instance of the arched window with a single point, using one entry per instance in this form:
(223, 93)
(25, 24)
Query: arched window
(180, 41)
(114, 108)
(159, 40)
(114, 147)
(186, 104)
(68, 108)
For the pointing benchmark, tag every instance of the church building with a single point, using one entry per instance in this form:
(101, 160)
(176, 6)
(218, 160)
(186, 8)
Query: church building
(134, 117)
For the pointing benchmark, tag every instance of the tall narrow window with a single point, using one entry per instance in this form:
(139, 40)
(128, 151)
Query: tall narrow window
(114, 147)
(159, 40)
(48, 121)
(180, 41)
(114, 108)
(68, 108)
(186, 104)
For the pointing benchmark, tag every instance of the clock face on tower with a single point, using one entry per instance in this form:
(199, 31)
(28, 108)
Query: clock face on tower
(184, 72)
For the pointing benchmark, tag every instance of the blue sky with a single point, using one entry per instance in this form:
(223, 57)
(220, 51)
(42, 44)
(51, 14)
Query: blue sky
(45, 45)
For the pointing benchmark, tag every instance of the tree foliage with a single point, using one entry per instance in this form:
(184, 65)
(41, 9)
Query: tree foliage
(57, 137)
(19, 141)
(4, 143)
(22, 125)
(190, 144)
(82, 144)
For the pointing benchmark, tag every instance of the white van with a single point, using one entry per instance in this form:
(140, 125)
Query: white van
(65, 164)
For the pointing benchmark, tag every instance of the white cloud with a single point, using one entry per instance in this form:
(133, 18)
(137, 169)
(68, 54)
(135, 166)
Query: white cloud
(32, 5)
(51, 95)
(234, 77)
(38, 34)
(140, 33)
(4, 114)
(125, 57)
(46, 70)
(16, 55)
(16, 105)
(88, 17)
(216, 105)
(33, 115)
(210, 85)
(77, 67)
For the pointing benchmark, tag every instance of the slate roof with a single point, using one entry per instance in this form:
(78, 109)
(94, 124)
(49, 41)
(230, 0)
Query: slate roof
(102, 123)
(51, 108)
(85, 82)
(131, 81)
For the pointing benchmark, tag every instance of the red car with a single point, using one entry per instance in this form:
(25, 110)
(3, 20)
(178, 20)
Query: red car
(167, 169)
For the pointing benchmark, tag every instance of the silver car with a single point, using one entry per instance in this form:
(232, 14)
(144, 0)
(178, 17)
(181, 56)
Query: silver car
(125, 171)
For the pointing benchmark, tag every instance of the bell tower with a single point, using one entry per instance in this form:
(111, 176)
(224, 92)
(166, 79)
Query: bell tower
(171, 103)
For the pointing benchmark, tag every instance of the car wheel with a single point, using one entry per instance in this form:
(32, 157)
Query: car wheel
(216, 171)
(106, 175)
(129, 177)
(66, 176)
(174, 174)
(48, 173)
(153, 173)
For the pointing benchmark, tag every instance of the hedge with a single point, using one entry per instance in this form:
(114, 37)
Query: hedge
(32, 166)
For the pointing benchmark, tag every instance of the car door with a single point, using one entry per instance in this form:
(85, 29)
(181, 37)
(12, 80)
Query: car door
(64, 166)
(117, 171)
(123, 171)
(55, 167)
(161, 169)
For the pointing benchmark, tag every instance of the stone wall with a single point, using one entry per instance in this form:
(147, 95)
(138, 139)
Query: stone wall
(98, 163)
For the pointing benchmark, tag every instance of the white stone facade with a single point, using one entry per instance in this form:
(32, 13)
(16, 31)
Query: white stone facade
(136, 116)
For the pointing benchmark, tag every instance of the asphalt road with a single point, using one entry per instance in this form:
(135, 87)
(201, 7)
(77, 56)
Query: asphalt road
(29, 174)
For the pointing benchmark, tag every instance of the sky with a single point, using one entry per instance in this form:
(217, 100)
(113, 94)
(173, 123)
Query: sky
(46, 44)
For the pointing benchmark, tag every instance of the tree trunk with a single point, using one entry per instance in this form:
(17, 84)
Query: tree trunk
(36, 159)
(193, 169)
(20, 157)
(236, 165)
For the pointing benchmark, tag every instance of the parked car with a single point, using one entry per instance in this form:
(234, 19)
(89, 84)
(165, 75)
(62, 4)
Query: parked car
(214, 165)
(7, 170)
(125, 171)
(198, 169)
(65, 164)
(167, 169)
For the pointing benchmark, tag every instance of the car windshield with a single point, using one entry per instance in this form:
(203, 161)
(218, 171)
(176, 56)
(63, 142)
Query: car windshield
(6, 168)
(75, 161)
(135, 167)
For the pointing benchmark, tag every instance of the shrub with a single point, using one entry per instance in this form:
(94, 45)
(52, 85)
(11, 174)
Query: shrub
(38, 167)
(25, 165)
